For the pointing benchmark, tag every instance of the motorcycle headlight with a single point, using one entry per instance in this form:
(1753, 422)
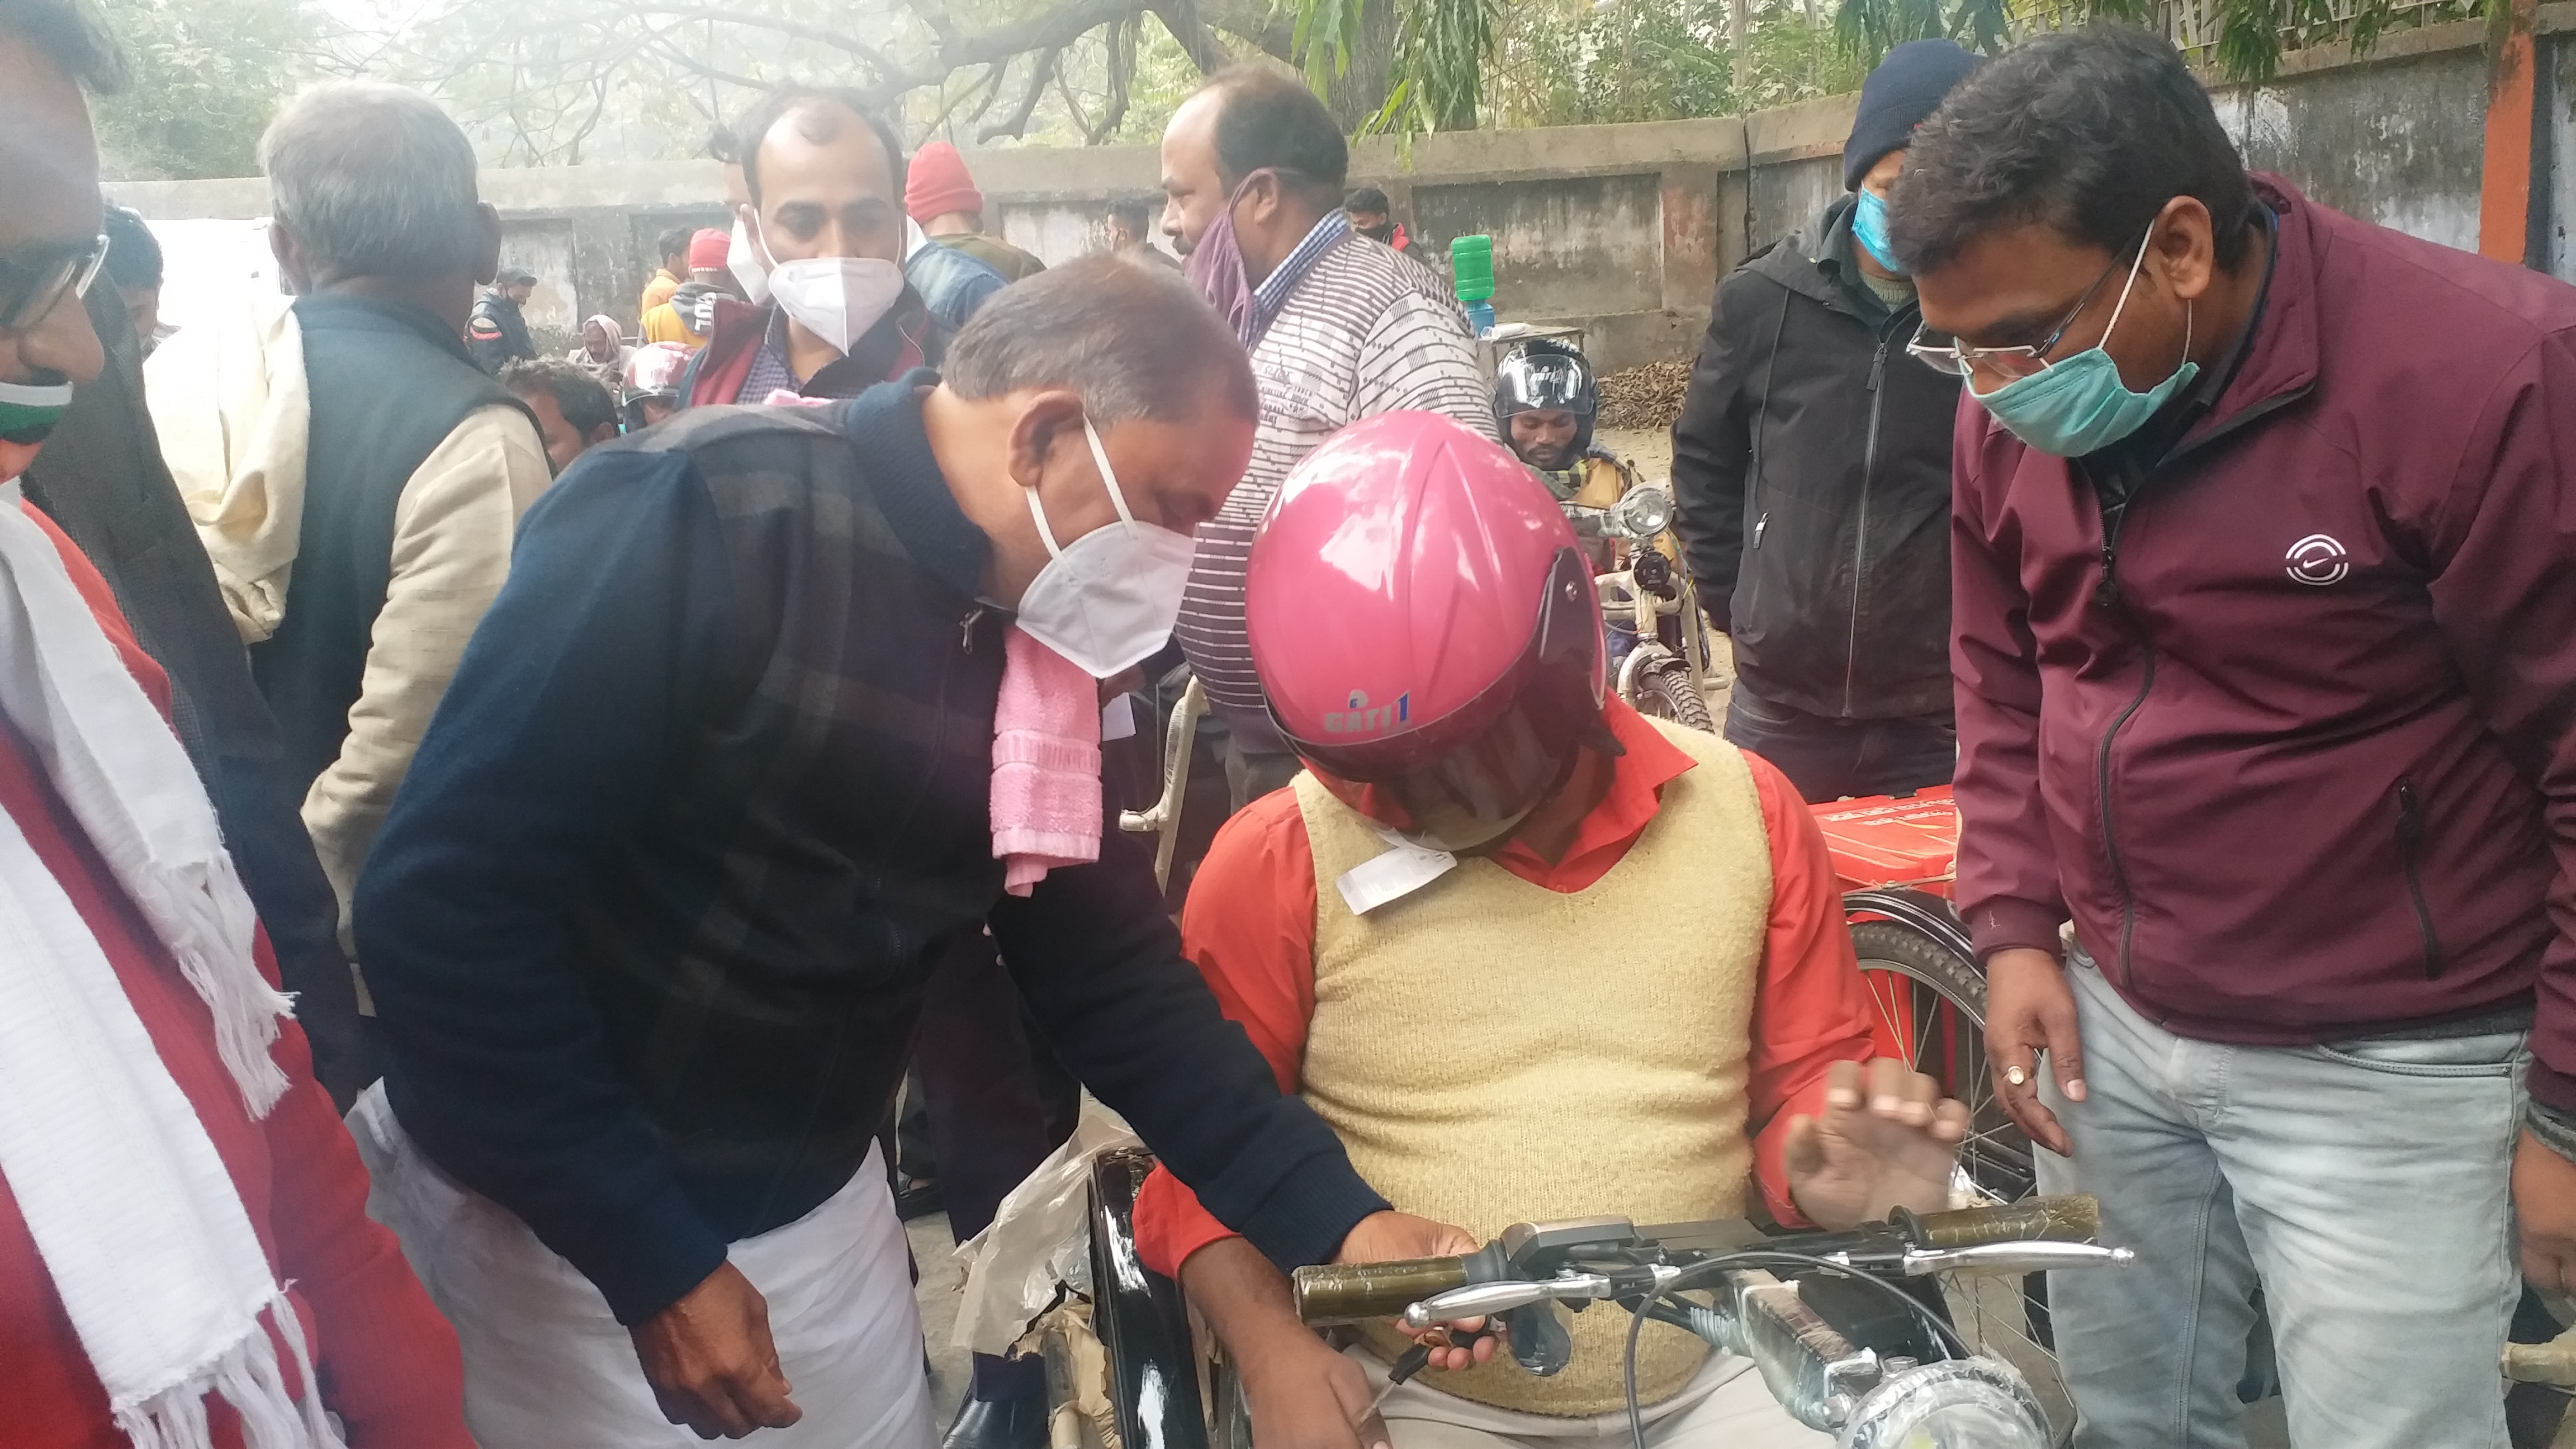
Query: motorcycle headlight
(1970, 1403)
(1642, 512)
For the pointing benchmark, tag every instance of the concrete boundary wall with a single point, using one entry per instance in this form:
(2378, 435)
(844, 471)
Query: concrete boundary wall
(1621, 229)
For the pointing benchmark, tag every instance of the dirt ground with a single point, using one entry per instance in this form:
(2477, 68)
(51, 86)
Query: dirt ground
(1648, 450)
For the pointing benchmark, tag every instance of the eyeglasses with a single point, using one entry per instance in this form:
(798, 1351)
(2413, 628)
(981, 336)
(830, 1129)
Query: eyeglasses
(1944, 353)
(34, 282)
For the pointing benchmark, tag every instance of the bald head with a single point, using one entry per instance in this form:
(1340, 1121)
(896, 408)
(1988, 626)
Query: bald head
(1260, 143)
(1133, 338)
(1107, 344)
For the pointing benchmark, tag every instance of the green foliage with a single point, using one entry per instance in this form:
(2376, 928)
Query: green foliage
(1442, 48)
(1870, 28)
(1584, 62)
(1326, 34)
(207, 76)
(2238, 40)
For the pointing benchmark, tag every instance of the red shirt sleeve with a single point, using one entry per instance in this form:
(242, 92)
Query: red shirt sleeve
(1250, 927)
(1810, 1009)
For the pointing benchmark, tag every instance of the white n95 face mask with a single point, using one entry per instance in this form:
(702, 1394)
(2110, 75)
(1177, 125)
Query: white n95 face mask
(1110, 598)
(745, 264)
(836, 298)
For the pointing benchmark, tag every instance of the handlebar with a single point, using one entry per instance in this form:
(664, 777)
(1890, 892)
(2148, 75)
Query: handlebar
(2068, 1218)
(1366, 1292)
(2005, 1239)
(2552, 1363)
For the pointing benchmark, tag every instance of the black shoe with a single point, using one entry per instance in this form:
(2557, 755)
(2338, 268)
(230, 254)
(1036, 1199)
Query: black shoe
(919, 1197)
(998, 1424)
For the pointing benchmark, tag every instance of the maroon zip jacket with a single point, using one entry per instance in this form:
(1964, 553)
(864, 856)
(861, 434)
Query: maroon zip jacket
(2306, 770)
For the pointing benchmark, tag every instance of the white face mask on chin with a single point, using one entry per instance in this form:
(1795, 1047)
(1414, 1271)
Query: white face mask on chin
(836, 298)
(1109, 599)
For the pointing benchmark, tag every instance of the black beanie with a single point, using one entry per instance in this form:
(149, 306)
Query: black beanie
(1906, 89)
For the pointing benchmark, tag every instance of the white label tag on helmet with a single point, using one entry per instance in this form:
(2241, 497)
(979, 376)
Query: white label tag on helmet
(1402, 870)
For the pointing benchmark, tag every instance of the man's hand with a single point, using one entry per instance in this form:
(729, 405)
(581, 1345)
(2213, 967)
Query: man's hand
(1875, 1151)
(2544, 1202)
(711, 1363)
(1303, 1395)
(2031, 1009)
(1389, 1236)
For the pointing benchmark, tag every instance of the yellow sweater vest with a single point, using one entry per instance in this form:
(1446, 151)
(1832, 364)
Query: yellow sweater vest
(1493, 1052)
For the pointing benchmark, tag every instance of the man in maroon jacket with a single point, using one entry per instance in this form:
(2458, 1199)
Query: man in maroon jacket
(2265, 644)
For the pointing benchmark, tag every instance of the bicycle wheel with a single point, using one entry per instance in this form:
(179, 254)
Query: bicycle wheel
(1932, 1002)
(1664, 690)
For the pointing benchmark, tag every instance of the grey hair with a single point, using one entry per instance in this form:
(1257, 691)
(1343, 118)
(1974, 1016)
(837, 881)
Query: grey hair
(373, 180)
(1134, 338)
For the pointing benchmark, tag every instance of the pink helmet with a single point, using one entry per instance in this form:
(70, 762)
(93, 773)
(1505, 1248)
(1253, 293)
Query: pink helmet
(1424, 623)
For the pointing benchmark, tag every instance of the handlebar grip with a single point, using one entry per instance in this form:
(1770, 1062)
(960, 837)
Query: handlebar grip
(2069, 1218)
(1365, 1292)
(2552, 1363)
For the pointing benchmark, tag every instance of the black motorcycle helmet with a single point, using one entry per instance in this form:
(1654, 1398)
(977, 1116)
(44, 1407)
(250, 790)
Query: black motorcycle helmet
(1543, 374)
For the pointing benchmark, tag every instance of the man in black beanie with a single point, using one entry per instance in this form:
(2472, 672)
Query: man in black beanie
(1811, 465)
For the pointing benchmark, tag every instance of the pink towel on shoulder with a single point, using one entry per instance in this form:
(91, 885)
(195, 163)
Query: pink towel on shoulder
(1046, 763)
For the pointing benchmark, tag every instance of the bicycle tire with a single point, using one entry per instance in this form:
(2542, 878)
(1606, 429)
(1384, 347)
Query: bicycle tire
(1664, 690)
(1991, 1315)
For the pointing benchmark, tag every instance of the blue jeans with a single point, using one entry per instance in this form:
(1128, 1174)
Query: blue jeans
(2364, 1186)
(1827, 759)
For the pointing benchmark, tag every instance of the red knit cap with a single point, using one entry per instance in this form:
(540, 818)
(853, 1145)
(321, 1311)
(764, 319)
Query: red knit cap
(707, 250)
(936, 183)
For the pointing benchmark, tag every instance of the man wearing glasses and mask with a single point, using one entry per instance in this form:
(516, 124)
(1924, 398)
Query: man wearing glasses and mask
(2262, 642)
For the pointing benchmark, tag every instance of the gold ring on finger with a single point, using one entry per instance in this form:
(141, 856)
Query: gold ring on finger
(2016, 1076)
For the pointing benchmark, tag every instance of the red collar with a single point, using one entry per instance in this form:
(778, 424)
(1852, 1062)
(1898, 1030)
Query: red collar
(1602, 838)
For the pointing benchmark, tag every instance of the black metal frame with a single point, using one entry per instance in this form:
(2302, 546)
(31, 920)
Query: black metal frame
(1140, 1318)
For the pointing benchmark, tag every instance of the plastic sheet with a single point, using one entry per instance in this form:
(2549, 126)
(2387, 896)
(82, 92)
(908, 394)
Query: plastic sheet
(1039, 1244)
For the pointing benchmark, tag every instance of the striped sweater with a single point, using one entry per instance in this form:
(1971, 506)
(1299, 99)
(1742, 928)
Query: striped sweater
(1367, 330)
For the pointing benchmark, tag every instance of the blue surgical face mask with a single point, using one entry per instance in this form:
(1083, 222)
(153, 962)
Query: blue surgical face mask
(1869, 228)
(2080, 405)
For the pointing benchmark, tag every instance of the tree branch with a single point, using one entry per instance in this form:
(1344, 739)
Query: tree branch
(1122, 67)
(1018, 123)
(987, 84)
(875, 59)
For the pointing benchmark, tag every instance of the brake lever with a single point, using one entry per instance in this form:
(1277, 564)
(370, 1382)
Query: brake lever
(2005, 1258)
(1486, 1300)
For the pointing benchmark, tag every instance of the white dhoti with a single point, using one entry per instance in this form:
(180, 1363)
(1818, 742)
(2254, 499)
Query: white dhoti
(548, 1367)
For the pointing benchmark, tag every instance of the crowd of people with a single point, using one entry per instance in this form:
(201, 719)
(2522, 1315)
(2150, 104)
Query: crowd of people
(487, 836)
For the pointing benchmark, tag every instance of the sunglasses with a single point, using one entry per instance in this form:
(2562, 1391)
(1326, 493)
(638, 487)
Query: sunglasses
(35, 281)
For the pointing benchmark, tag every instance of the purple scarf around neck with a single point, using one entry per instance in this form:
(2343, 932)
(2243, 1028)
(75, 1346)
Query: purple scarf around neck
(1215, 267)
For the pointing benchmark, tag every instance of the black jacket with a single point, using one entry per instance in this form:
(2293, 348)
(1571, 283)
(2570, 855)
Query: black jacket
(705, 805)
(1811, 472)
(497, 334)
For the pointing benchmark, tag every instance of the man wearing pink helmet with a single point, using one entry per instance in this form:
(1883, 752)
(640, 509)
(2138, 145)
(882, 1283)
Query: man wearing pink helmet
(1489, 819)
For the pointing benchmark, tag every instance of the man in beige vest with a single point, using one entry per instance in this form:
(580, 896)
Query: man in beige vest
(1572, 961)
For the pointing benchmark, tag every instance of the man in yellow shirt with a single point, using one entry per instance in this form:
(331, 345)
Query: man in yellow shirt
(689, 316)
(672, 249)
